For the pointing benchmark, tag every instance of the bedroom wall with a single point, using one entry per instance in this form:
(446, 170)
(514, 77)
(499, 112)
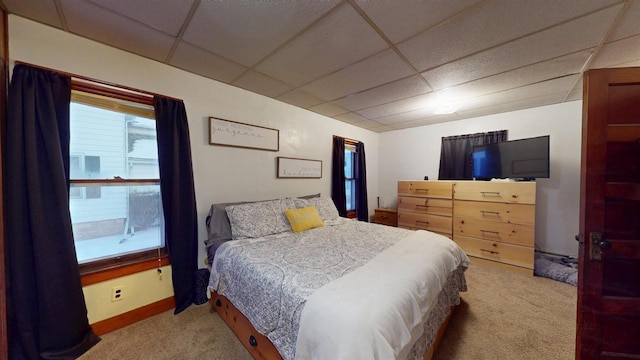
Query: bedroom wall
(558, 198)
(221, 174)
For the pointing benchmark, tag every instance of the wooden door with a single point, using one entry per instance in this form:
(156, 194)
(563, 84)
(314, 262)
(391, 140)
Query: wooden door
(608, 319)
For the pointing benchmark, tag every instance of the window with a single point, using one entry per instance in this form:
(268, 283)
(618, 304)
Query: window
(350, 176)
(114, 200)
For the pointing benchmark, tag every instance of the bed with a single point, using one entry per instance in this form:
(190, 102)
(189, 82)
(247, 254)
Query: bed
(293, 280)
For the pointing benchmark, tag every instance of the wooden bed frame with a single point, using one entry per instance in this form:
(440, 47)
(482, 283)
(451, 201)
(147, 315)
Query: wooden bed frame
(259, 346)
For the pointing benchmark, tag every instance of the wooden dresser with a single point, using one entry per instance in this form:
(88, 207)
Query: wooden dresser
(495, 222)
(426, 205)
(385, 216)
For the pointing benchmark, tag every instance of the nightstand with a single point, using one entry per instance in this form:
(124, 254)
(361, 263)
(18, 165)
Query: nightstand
(386, 216)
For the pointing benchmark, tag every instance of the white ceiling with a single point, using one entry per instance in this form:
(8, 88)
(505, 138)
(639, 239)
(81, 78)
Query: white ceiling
(378, 64)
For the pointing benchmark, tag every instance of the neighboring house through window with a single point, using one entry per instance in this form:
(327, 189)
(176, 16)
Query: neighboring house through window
(115, 201)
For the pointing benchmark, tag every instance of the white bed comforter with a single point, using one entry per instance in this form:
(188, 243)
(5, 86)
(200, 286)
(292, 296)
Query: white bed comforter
(355, 318)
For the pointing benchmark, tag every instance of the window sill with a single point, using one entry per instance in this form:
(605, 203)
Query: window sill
(123, 270)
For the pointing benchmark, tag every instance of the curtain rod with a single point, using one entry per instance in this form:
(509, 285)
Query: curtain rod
(101, 82)
(348, 140)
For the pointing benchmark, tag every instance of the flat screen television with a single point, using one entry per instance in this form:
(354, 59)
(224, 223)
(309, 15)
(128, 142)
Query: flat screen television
(524, 159)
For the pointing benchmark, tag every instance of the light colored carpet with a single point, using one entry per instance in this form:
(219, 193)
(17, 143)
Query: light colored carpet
(504, 315)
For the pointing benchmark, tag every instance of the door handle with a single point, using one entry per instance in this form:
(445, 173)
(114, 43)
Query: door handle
(598, 245)
(603, 244)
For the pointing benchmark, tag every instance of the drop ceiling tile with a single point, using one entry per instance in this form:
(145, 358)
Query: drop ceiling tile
(421, 113)
(619, 52)
(379, 128)
(369, 124)
(629, 25)
(324, 48)
(397, 90)
(166, 16)
(300, 98)
(562, 85)
(400, 19)
(366, 74)
(513, 106)
(329, 109)
(551, 69)
(570, 37)
(400, 106)
(199, 61)
(247, 31)
(351, 118)
(435, 119)
(104, 26)
(43, 11)
(635, 63)
(261, 84)
(576, 93)
(490, 25)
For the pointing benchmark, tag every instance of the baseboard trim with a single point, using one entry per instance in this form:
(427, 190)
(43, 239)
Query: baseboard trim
(133, 316)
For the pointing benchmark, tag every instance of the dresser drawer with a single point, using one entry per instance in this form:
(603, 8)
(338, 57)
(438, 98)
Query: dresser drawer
(442, 207)
(434, 189)
(435, 223)
(385, 216)
(523, 214)
(495, 231)
(510, 192)
(492, 250)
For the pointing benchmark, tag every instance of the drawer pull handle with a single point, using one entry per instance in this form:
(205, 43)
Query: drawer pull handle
(422, 222)
(252, 341)
(424, 206)
(492, 193)
(484, 212)
(425, 190)
(490, 232)
(490, 251)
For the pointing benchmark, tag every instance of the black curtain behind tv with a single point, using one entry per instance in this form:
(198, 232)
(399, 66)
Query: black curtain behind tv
(455, 153)
(362, 207)
(178, 197)
(337, 176)
(46, 311)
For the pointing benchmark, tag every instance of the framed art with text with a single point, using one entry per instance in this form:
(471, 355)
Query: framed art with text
(232, 133)
(299, 168)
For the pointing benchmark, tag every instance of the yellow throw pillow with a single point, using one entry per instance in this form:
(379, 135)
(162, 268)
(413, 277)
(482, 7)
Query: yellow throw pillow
(304, 218)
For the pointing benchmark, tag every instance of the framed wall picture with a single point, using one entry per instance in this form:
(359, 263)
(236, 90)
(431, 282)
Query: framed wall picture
(232, 133)
(299, 168)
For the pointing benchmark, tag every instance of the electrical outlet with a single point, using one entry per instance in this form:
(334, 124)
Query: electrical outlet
(117, 293)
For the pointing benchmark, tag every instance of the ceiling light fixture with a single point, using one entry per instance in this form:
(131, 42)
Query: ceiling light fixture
(445, 108)
(446, 102)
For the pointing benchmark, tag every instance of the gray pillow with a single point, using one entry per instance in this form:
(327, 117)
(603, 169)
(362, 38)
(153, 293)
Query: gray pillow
(309, 196)
(259, 219)
(218, 227)
(326, 207)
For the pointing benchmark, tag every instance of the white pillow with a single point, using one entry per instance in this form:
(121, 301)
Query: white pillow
(254, 220)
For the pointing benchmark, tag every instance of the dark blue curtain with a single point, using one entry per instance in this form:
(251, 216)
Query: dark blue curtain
(337, 176)
(362, 207)
(178, 197)
(46, 310)
(455, 153)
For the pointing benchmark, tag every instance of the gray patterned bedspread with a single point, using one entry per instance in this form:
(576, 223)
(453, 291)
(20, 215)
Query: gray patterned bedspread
(269, 279)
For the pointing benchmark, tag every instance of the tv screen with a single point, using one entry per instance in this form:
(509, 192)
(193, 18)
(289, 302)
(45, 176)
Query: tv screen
(525, 159)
